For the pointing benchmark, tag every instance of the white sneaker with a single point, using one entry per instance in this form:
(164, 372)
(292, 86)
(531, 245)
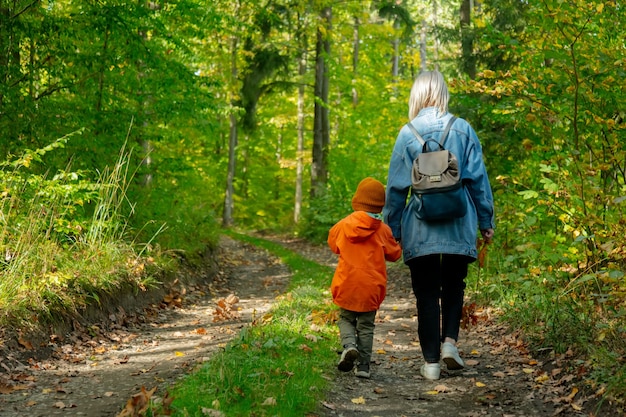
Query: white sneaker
(431, 371)
(450, 355)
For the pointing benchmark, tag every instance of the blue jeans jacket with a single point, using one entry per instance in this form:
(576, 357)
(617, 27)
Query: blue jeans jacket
(458, 236)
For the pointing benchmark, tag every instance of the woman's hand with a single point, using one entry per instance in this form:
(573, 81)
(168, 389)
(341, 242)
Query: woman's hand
(487, 235)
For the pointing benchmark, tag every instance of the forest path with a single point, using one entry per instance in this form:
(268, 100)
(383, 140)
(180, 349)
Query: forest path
(501, 378)
(94, 371)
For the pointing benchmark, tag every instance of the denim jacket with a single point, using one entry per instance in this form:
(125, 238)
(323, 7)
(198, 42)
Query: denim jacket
(457, 236)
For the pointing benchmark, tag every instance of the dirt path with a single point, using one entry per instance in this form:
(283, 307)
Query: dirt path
(501, 379)
(95, 371)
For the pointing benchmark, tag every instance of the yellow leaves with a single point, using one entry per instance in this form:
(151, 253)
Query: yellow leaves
(480, 384)
(359, 400)
(322, 318)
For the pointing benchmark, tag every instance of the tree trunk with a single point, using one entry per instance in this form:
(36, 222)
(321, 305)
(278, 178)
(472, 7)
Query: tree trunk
(321, 128)
(423, 39)
(468, 61)
(300, 146)
(395, 60)
(435, 23)
(355, 61)
(227, 216)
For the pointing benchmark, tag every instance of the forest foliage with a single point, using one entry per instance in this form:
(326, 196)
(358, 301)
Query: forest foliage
(134, 128)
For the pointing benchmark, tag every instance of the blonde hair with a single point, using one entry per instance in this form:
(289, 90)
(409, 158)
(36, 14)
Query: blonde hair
(429, 90)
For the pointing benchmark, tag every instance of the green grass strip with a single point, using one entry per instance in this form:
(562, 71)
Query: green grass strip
(279, 366)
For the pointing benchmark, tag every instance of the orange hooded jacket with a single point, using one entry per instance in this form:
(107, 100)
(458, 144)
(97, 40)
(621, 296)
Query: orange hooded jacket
(363, 244)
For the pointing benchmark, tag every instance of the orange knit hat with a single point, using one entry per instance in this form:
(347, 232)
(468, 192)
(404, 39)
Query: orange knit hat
(369, 196)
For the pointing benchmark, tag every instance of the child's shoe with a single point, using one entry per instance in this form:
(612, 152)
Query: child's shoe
(431, 371)
(450, 355)
(348, 357)
(363, 370)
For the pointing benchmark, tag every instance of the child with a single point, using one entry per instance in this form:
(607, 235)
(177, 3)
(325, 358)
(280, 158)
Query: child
(359, 285)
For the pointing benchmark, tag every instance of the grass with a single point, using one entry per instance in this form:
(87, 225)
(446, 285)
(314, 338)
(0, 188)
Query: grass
(278, 366)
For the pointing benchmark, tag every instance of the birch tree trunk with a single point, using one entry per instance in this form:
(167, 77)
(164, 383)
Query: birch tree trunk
(227, 216)
(355, 60)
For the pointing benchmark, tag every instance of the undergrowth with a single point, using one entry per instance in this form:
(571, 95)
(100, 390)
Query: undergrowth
(563, 310)
(65, 240)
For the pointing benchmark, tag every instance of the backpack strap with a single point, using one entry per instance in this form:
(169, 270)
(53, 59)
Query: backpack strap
(443, 138)
(445, 132)
(416, 133)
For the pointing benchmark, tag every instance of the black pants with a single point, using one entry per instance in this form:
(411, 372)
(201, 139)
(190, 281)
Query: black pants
(439, 286)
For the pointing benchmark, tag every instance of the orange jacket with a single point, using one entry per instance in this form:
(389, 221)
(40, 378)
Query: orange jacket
(363, 244)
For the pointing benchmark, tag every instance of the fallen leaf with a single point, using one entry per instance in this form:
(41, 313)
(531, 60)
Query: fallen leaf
(269, 401)
(571, 396)
(329, 405)
(137, 404)
(212, 413)
(5, 388)
(441, 388)
(179, 354)
(432, 392)
(480, 384)
(25, 343)
(359, 400)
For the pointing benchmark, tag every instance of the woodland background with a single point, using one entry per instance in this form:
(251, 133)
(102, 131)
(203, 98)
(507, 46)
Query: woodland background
(130, 132)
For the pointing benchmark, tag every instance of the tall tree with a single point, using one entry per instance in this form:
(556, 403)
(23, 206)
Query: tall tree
(468, 60)
(227, 215)
(321, 123)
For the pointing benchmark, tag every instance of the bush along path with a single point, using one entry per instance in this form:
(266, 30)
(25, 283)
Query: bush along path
(119, 367)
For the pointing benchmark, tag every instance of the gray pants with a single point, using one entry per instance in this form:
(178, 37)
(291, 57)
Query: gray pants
(357, 329)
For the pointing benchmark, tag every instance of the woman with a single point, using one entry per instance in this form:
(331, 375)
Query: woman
(438, 252)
